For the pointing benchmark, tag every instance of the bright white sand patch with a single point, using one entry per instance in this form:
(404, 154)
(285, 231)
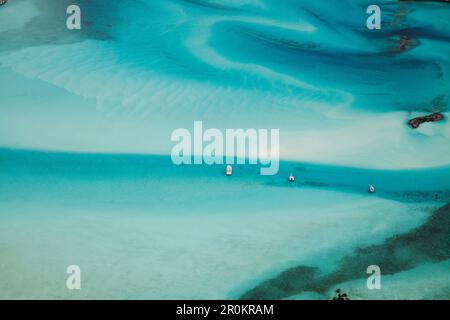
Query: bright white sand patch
(372, 140)
(138, 105)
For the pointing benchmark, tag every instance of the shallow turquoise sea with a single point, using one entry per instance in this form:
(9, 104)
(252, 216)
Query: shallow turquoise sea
(140, 227)
(86, 176)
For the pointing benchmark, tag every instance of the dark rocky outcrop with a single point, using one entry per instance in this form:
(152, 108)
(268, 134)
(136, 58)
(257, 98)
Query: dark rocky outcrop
(416, 122)
(340, 295)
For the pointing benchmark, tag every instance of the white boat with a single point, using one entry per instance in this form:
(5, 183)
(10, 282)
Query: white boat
(371, 189)
(291, 178)
(229, 170)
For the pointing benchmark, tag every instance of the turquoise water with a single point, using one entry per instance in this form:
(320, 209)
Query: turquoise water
(142, 228)
(85, 170)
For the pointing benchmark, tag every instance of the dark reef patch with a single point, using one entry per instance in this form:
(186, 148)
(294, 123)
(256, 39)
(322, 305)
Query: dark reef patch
(416, 122)
(427, 243)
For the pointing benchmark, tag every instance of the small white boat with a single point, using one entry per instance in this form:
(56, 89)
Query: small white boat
(291, 178)
(371, 189)
(229, 170)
